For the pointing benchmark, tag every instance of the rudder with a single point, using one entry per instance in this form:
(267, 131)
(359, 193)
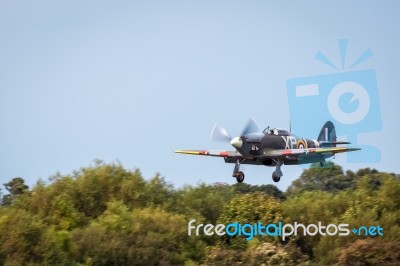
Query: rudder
(327, 135)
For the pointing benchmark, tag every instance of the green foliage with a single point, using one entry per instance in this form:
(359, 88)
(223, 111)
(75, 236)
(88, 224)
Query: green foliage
(142, 236)
(270, 190)
(157, 192)
(107, 215)
(375, 200)
(328, 178)
(251, 208)
(95, 186)
(15, 187)
(263, 253)
(370, 252)
(73, 201)
(270, 254)
(26, 240)
(204, 202)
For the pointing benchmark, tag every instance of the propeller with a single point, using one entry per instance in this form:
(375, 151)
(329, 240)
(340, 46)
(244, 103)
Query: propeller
(219, 133)
(251, 127)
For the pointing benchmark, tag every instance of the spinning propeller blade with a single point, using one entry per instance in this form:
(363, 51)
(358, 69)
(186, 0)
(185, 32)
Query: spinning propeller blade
(219, 133)
(251, 127)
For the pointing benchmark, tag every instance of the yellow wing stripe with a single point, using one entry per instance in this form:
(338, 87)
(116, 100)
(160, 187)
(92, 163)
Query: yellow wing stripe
(210, 153)
(192, 152)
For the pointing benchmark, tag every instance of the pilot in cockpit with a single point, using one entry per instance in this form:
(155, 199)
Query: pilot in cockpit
(273, 131)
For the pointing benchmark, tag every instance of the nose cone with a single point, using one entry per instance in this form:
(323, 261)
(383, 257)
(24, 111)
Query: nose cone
(237, 142)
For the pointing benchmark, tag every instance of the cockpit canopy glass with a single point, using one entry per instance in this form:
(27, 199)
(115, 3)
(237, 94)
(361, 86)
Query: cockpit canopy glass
(276, 131)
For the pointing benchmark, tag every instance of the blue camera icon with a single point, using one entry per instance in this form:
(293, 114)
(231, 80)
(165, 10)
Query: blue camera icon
(349, 99)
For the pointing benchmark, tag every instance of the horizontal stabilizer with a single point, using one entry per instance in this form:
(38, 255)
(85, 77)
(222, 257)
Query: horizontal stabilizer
(332, 143)
(341, 142)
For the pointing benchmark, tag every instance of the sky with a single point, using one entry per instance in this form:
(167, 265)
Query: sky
(131, 81)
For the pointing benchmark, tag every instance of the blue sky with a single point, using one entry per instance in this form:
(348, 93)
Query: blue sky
(131, 81)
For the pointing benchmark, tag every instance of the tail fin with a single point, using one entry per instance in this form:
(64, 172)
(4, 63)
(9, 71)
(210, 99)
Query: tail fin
(327, 135)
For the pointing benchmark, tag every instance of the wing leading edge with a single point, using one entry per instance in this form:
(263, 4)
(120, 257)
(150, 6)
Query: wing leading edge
(232, 154)
(271, 153)
(305, 152)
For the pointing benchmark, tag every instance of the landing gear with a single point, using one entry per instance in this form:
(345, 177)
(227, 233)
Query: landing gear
(322, 163)
(238, 174)
(277, 174)
(239, 177)
(276, 178)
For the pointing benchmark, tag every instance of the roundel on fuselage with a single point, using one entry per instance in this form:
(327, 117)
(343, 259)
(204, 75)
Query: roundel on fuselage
(301, 144)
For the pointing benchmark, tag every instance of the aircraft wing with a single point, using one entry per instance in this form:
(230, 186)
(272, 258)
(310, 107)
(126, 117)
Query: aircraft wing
(309, 151)
(225, 154)
(285, 154)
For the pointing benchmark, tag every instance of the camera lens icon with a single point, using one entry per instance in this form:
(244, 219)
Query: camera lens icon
(345, 96)
(349, 99)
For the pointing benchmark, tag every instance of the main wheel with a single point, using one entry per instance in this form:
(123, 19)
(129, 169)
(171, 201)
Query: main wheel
(275, 177)
(240, 177)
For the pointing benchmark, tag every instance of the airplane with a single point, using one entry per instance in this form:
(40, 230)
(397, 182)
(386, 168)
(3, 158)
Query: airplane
(273, 147)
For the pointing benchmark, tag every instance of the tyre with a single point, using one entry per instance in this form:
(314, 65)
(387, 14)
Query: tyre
(240, 177)
(276, 178)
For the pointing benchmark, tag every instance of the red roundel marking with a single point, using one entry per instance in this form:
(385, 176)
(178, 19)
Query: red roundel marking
(223, 153)
(203, 152)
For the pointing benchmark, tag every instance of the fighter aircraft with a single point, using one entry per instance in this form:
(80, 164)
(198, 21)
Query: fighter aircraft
(273, 147)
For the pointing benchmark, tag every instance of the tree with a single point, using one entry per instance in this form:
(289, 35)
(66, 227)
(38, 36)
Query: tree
(107, 215)
(204, 202)
(328, 178)
(263, 253)
(371, 251)
(311, 207)
(139, 237)
(365, 205)
(158, 192)
(269, 190)
(94, 187)
(15, 188)
(251, 208)
(26, 240)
